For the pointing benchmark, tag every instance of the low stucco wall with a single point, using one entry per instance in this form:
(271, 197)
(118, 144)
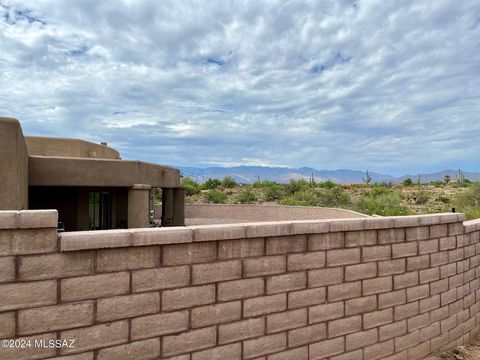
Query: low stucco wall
(205, 214)
(373, 288)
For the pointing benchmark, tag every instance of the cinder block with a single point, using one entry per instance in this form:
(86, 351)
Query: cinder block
(279, 245)
(100, 239)
(391, 267)
(420, 351)
(377, 318)
(418, 262)
(126, 306)
(324, 349)
(406, 311)
(360, 339)
(376, 253)
(8, 219)
(346, 225)
(418, 322)
(267, 265)
(438, 287)
(307, 335)
(427, 246)
(311, 260)
(189, 341)
(182, 254)
(240, 248)
(360, 305)
(215, 272)
(448, 243)
(438, 231)
(7, 269)
(29, 219)
(232, 351)
(54, 266)
(286, 320)
(216, 314)
(264, 305)
(360, 271)
(96, 286)
(390, 299)
(309, 227)
(240, 289)
(379, 350)
(241, 330)
(378, 223)
(418, 292)
(218, 232)
(19, 242)
(448, 270)
(393, 330)
(344, 291)
(297, 354)
(405, 280)
(146, 349)
(417, 233)
(326, 241)
(7, 325)
(439, 258)
(159, 324)
(161, 236)
(455, 229)
(188, 297)
(324, 277)
(26, 295)
(360, 238)
(264, 345)
(429, 304)
(96, 337)
(377, 285)
(286, 282)
(161, 278)
(58, 317)
(267, 229)
(344, 326)
(404, 250)
(390, 236)
(308, 297)
(325, 312)
(343, 257)
(128, 259)
(407, 341)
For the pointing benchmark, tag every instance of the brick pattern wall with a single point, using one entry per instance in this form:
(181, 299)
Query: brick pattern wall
(379, 288)
(203, 214)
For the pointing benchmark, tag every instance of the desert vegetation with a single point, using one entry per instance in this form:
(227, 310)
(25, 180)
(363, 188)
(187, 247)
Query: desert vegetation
(386, 199)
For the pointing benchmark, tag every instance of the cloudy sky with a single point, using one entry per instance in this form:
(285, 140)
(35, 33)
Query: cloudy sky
(392, 86)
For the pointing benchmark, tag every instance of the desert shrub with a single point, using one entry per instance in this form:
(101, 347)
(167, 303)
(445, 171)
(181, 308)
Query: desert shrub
(229, 182)
(335, 197)
(421, 197)
(468, 201)
(443, 199)
(264, 184)
(246, 196)
(272, 193)
(211, 184)
(436, 183)
(327, 184)
(216, 197)
(295, 186)
(191, 186)
(407, 182)
(382, 201)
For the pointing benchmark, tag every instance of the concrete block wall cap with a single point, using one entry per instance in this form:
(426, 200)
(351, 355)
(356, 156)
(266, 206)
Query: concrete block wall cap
(8, 219)
(29, 219)
(264, 229)
(159, 236)
(378, 223)
(309, 227)
(405, 221)
(451, 217)
(141, 187)
(346, 225)
(100, 239)
(471, 225)
(218, 232)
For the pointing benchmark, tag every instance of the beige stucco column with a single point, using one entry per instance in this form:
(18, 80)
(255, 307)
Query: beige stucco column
(138, 205)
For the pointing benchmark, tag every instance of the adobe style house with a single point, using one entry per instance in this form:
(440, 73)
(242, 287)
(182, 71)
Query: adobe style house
(88, 183)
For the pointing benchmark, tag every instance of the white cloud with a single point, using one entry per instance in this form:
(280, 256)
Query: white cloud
(390, 86)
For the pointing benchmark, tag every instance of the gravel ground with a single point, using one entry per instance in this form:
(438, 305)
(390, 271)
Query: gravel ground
(468, 352)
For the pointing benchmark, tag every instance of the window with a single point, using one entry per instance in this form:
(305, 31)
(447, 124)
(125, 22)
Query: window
(99, 210)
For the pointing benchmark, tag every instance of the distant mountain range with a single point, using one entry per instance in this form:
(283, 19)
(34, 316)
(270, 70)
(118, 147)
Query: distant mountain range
(250, 174)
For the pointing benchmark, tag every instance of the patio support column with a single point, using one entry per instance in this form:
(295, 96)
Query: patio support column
(138, 205)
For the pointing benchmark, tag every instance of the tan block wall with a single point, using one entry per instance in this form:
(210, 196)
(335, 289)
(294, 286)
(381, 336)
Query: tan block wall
(204, 214)
(374, 288)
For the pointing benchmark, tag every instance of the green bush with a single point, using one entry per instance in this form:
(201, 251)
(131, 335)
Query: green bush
(216, 197)
(246, 196)
(273, 193)
(327, 184)
(382, 201)
(407, 182)
(211, 184)
(335, 197)
(422, 197)
(295, 186)
(443, 199)
(264, 184)
(191, 186)
(229, 182)
(436, 183)
(468, 201)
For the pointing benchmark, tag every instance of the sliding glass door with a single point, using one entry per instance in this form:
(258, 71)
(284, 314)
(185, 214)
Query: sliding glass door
(100, 210)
